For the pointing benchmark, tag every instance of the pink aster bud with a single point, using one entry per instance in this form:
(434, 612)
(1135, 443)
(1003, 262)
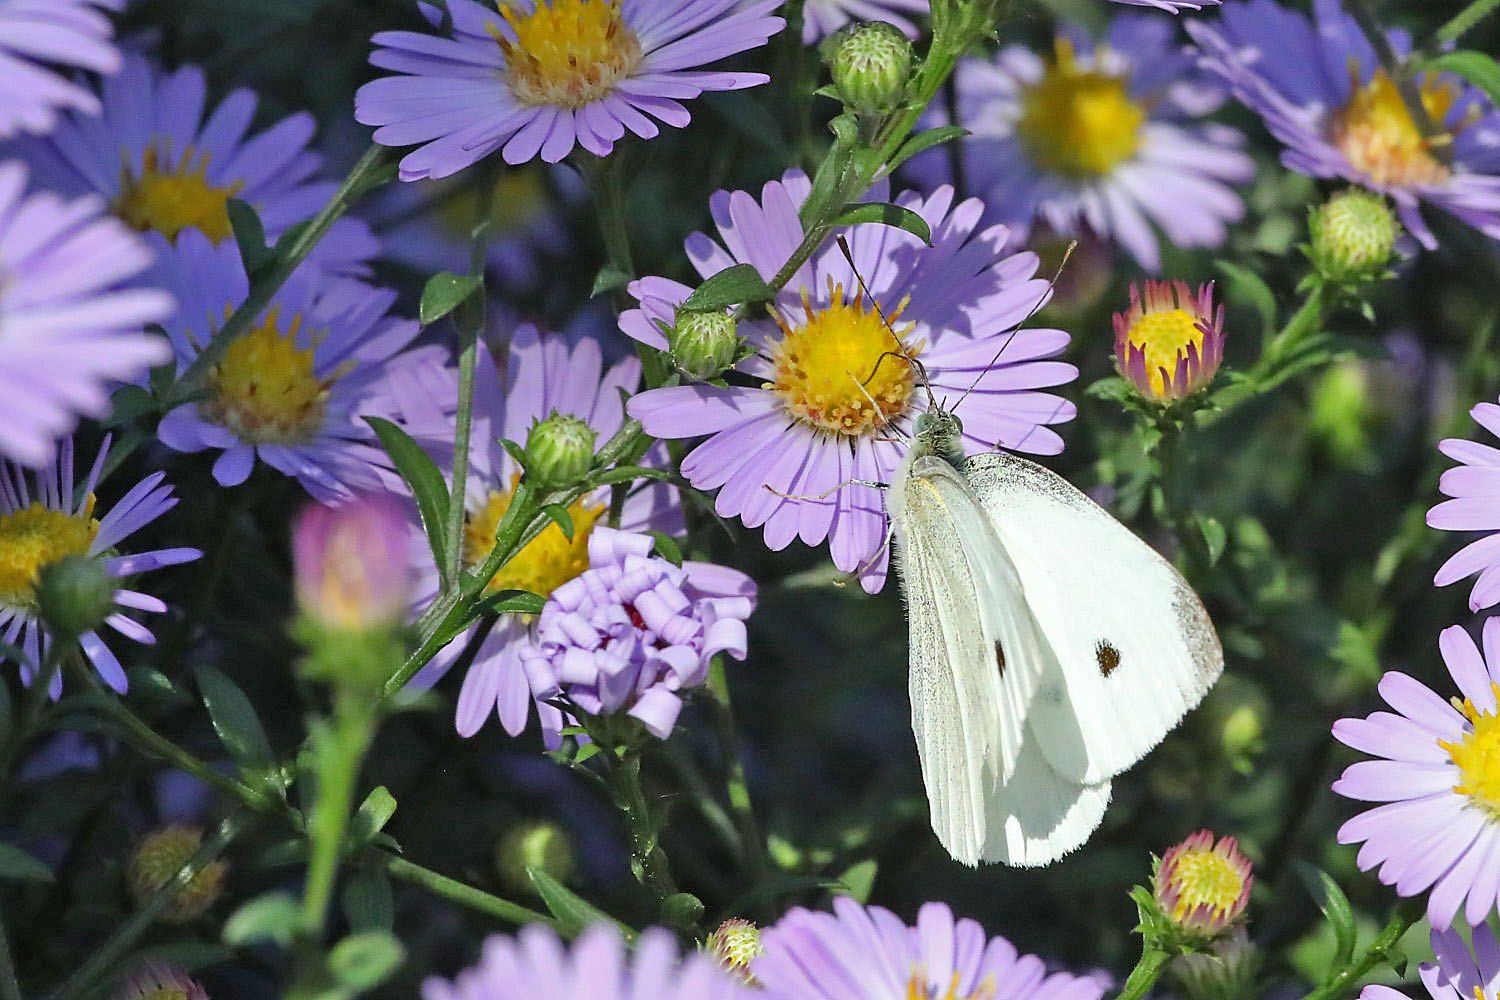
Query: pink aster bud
(157, 981)
(1170, 342)
(735, 944)
(159, 857)
(1201, 886)
(352, 564)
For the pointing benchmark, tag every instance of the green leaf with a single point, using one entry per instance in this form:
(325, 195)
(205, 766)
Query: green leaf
(885, 214)
(367, 901)
(923, 141)
(427, 484)
(152, 683)
(1248, 288)
(609, 278)
(1479, 69)
(1111, 387)
(363, 961)
(443, 293)
(573, 913)
(1214, 536)
(860, 879)
(1335, 906)
(18, 865)
(250, 236)
(667, 547)
(235, 721)
(731, 286)
(128, 403)
(559, 516)
(511, 602)
(626, 473)
(373, 814)
(274, 916)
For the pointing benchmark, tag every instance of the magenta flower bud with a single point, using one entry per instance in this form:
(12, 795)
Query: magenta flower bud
(1203, 885)
(352, 563)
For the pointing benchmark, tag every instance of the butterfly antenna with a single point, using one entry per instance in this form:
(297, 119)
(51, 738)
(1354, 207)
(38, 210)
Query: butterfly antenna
(900, 350)
(1041, 300)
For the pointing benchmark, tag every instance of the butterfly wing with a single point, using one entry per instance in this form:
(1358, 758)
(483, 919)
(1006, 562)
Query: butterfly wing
(1037, 815)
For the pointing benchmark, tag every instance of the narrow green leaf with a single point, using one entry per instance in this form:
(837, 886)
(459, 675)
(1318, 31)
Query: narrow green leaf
(373, 814)
(667, 547)
(1214, 536)
(731, 286)
(626, 473)
(609, 278)
(426, 481)
(18, 865)
(885, 214)
(560, 517)
(923, 141)
(860, 879)
(367, 900)
(1476, 67)
(363, 961)
(443, 293)
(511, 602)
(1335, 906)
(1245, 287)
(573, 913)
(273, 916)
(235, 721)
(249, 236)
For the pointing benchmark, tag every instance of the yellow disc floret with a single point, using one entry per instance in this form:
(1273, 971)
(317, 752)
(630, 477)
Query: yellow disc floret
(1477, 755)
(1079, 122)
(1207, 879)
(1376, 132)
(37, 536)
(169, 200)
(917, 988)
(1164, 337)
(265, 388)
(567, 53)
(546, 562)
(841, 369)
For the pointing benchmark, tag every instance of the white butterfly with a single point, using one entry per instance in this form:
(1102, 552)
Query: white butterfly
(1051, 649)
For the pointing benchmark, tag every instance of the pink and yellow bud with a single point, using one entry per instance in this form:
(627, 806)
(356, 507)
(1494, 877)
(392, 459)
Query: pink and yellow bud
(352, 564)
(1203, 886)
(155, 981)
(1170, 342)
(735, 944)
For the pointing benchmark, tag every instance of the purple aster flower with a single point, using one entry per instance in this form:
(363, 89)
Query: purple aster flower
(543, 375)
(821, 18)
(539, 77)
(1103, 135)
(1458, 973)
(158, 981)
(1472, 509)
(1319, 88)
(46, 516)
(35, 33)
(535, 963)
(67, 330)
(1171, 6)
(868, 953)
(293, 389)
(829, 398)
(166, 161)
(1440, 779)
(630, 632)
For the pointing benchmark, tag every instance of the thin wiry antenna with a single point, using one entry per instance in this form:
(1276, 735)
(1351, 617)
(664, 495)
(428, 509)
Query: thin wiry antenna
(900, 347)
(1067, 255)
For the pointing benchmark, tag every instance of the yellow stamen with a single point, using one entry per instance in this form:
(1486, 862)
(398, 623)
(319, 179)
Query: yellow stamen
(567, 53)
(1164, 338)
(264, 388)
(1205, 878)
(173, 199)
(1376, 132)
(839, 370)
(546, 562)
(1477, 755)
(1079, 123)
(35, 537)
(916, 988)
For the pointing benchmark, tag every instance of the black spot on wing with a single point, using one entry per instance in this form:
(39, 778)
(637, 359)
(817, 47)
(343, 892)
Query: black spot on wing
(1108, 657)
(1000, 657)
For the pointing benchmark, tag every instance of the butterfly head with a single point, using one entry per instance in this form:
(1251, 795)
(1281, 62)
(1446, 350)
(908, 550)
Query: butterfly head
(939, 432)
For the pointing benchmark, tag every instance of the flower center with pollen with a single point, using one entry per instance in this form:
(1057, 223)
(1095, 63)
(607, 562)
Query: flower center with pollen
(546, 562)
(917, 988)
(1079, 122)
(1477, 756)
(839, 369)
(567, 53)
(171, 200)
(1164, 338)
(37, 536)
(1375, 131)
(264, 389)
(1207, 879)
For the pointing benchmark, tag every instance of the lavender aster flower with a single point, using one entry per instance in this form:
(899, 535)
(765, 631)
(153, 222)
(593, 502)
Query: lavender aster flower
(1320, 90)
(34, 33)
(166, 162)
(868, 953)
(1458, 973)
(292, 389)
(1472, 509)
(539, 77)
(831, 397)
(821, 18)
(631, 631)
(543, 375)
(1099, 135)
(46, 516)
(535, 963)
(1171, 6)
(1440, 779)
(66, 328)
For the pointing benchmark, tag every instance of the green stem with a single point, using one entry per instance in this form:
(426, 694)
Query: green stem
(648, 860)
(603, 177)
(1438, 141)
(107, 960)
(1146, 972)
(1460, 23)
(339, 757)
(1407, 912)
(364, 176)
(10, 986)
(467, 360)
(462, 894)
(752, 842)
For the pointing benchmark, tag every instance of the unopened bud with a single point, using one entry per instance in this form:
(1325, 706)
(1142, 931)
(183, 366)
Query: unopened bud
(1353, 236)
(352, 564)
(735, 944)
(157, 981)
(870, 64)
(159, 857)
(539, 844)
(1202, 886)
(559, 450)
(75, 594)
(703, 344)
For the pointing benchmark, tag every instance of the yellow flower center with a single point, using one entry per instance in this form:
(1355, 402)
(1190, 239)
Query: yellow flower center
(1079, 123)
(917, 989)
(1205, 878)
(264, 388)
(546, 562)
(1164, 338)
(35, 537)
(839, 370)
(567, 53)
(1376, 132)
(169, 201)
(1477, 755)
(518, 197)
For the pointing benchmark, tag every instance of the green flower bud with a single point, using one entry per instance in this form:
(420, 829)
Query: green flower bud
(159, 856)
(681, 909)
(703, 344)
(735, 944)
(75, 594)
(559, 450)
(539, 844)
(871, 64)
(1353, 236)
(1225, 970)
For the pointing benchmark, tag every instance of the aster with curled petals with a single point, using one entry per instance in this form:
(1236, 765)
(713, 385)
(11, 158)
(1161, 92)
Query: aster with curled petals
(1437, 775)
(541, 77)
(1471, 487)
(37, 37)
(46, 516)
(828, 399)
